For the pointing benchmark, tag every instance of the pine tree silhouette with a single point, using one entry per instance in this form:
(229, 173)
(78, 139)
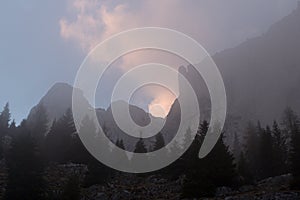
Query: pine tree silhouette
(280, 150)
(203, 176)
(25, 169)
(293, 124)
(159, 141)
(58, 140)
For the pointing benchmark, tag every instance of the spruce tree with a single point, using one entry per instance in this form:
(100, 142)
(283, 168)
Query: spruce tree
(25, 169)
(295, 157)
(4, 120)
(295, 150)
(39, 124)
(4, 126)
(175, 169)
(119, 159)
(198, 182)
(252, 149)
(266, 160)
(279, 150)
(236, 147)
(140, 147)
(98, 173)
(222, 162)
(121, 144)
(12, 128)
(159, 141)
(187, 138)
(136, 160)
(59, 138)
(77, 152)
(289, 119)
(245, 177)
(204, 175)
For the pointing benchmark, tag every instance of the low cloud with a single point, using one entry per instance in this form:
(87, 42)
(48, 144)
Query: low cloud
(214, 24)
(94, 22)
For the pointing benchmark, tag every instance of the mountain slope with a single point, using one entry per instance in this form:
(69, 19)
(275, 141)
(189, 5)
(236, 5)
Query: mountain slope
(56, 101)
(59, 98)
(262, 75)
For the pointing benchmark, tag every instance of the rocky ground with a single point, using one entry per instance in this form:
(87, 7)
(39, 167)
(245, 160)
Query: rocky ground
(274, 188)
(131, 187)
(156, 187)
(135, 187)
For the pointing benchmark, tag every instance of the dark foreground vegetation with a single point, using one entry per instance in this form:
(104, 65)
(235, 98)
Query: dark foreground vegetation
(38, 162)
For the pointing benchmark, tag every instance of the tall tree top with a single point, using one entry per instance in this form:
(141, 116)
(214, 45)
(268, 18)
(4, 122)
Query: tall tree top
(159, 141)
(5, 116)
(140, 147)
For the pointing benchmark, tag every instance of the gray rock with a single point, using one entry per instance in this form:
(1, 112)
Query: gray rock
(101, 196)
(246, 188)
(121, 195)
(223, 191)
(276, 182)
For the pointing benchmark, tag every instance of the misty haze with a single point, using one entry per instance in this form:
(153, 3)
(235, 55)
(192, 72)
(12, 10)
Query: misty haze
(61, 139)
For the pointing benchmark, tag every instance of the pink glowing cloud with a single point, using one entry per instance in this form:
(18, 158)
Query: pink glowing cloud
(214, 24)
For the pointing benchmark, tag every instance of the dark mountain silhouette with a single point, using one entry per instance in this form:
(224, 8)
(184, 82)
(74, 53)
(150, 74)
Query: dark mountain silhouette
(262, 75)
(56, 101)
(138, 115)
(59, 99)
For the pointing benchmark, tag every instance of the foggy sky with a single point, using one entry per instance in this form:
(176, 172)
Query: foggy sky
(45, 42)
